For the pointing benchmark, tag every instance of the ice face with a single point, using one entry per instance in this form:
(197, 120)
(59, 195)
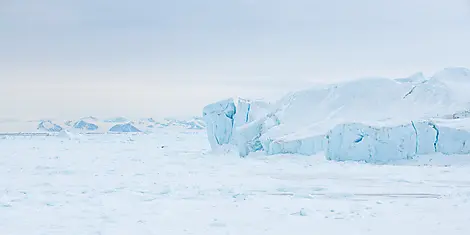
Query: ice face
(219, 118)
(382, 144)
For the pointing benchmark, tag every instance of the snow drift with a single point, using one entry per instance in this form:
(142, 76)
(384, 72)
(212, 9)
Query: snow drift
(373, 119)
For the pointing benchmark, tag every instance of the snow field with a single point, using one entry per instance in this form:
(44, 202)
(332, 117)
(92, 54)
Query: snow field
(169, 183)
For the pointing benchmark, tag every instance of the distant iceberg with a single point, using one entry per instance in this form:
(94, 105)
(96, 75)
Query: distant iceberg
(128, 127)
(47, 125)
(196, 123)
(83, 125)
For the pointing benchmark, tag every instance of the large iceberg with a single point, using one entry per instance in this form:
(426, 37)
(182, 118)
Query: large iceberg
(373, 119)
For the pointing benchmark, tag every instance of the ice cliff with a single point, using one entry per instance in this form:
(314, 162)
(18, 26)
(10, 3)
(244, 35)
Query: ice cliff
(373, 119)
(219, 118)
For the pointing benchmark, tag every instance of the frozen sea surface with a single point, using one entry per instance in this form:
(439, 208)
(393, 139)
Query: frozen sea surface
(168, 183)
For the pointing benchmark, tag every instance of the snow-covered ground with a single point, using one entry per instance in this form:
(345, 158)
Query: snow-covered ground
(168, 183)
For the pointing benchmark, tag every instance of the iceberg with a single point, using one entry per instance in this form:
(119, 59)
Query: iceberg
(83, 125)
(47, 125)
(128, 127)
(372, 119)
(219, 118)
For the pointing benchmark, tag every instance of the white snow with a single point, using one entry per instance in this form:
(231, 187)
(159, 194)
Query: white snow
(167, 183)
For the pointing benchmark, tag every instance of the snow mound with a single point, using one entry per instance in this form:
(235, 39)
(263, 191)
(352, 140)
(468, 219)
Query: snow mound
(128, 127)
(373, 119)
(83, 125)
(47, 125)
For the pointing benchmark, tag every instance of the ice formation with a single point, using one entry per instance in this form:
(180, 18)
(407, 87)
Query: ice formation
(128, 127)
(219, 118)
(373, 119)
(83, 125)
(47, 125)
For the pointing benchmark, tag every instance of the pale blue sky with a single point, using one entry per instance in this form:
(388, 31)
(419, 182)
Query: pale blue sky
(139, 52)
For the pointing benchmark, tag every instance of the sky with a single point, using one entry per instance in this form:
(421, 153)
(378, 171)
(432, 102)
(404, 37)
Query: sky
(169, 58)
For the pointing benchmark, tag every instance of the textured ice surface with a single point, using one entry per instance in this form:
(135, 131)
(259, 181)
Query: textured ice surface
(219, 118)
(167, 183)
(124, 128)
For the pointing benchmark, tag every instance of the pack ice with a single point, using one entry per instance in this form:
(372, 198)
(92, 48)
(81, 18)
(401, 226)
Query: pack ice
(371, 119)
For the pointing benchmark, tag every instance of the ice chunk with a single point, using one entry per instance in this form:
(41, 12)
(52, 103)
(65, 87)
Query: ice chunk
(128, 127)
(219, 118)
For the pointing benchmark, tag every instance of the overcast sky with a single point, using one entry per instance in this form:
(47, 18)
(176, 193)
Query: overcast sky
(154, 57)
